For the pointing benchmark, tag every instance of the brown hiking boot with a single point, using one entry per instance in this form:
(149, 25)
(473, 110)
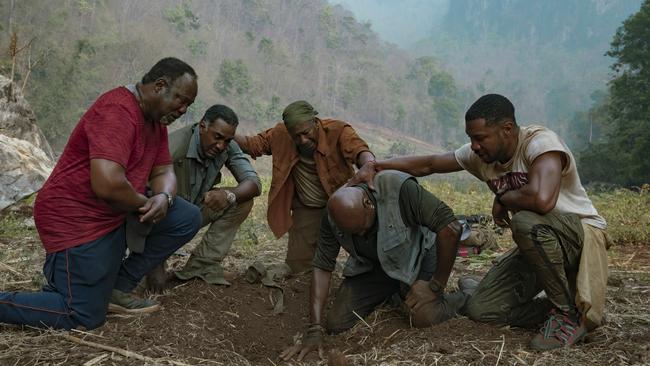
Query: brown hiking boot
(123, 303)
(558, 331)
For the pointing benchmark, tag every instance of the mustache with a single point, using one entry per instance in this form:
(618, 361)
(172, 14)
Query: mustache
(168, 119)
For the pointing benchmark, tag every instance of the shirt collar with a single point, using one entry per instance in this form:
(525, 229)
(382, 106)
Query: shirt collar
(194, 148)
(321, 145)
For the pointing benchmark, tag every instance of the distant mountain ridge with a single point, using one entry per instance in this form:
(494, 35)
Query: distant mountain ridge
(256, 56)
(547, 56)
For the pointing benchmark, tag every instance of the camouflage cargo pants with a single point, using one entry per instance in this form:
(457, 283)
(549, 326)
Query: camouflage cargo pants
(546, 258)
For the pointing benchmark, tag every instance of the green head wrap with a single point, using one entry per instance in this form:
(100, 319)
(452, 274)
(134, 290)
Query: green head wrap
(298, 112)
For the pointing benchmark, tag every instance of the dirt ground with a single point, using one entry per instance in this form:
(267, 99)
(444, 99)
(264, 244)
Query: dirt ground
(202, 324)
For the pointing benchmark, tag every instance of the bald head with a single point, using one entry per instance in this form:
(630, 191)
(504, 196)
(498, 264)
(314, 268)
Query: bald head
(351, 209)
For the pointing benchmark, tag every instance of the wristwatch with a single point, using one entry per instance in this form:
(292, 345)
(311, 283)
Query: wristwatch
(230, 197)
(170, 199)
(436, 287)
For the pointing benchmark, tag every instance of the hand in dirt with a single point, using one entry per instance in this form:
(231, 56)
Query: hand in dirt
(216, 200)
(419, 295)
(156, 279)
(364, 175)
(312, 340)
(155, 209)
(500, 214)
(431, 313)
(336, 358)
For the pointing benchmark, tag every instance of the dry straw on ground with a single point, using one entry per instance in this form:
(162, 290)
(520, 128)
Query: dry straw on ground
(207, 325)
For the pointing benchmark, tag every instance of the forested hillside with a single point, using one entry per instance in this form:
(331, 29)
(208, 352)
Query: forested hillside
(255, 55)
(548, 56)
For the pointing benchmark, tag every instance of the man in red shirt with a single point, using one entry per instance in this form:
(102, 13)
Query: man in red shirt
(113, 185)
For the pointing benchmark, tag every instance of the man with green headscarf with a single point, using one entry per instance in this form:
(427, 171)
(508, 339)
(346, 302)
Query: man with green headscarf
(311, 159)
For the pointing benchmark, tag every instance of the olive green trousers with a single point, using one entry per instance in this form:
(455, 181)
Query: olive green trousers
(546, 258)
(205, 261)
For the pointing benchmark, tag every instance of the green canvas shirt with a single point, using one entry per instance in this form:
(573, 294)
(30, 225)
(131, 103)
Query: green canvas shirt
(196, 175)
(402, 239)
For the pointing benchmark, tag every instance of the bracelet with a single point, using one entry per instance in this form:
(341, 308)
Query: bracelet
(315, 329)
(315, 326)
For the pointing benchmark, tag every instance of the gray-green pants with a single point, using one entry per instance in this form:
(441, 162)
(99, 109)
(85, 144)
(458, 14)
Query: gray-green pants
(546, 258)
(205, 261)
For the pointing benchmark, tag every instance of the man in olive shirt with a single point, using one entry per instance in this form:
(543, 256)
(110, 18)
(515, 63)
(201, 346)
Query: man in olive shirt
(199, 153)
(397, 236)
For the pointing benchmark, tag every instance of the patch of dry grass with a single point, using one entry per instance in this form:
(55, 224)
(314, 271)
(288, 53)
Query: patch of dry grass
(386, 339)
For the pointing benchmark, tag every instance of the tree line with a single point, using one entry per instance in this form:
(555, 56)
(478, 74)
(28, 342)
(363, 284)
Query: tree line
(254, 55)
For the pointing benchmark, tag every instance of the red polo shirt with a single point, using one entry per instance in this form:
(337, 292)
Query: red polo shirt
(67, 212)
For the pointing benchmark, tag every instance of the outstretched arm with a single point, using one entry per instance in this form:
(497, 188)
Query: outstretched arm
(418, 166)
(256, 145)
(422, 165)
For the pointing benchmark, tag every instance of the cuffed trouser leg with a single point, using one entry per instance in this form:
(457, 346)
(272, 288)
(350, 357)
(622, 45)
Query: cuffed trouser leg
(551, 245)
(361, 295)
(182, 222)
(79, 285)
(205, 261)
(303, 237)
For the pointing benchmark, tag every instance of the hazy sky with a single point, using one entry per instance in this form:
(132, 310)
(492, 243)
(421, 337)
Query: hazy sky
(414, 22)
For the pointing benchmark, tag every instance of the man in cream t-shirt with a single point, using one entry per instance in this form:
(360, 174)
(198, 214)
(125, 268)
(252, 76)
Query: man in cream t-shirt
(560, 237)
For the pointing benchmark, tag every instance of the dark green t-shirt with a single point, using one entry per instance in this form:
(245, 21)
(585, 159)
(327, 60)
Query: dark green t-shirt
(418, 207)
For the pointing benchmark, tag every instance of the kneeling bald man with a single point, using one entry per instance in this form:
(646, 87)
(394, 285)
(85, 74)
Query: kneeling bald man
(398, 236)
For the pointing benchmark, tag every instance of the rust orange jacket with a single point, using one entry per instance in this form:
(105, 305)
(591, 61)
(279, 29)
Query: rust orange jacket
(337, 149)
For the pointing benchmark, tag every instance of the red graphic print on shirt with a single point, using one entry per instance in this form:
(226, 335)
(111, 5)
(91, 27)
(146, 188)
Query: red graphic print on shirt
(508, 182)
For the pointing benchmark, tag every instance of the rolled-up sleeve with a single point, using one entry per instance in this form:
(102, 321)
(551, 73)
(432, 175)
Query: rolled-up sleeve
(327, 248)
(258, 145)
(240, 167)
(420, 207)
(351, 144)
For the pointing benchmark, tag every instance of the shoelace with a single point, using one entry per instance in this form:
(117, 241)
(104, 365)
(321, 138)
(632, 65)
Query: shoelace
(559, 326)
(567, 329)
(550, 325)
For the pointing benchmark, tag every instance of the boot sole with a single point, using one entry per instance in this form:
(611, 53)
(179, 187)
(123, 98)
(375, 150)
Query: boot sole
(546, 347)
(117, 309)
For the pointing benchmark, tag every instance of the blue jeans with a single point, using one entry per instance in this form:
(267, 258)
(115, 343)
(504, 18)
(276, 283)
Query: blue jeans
(80, 279)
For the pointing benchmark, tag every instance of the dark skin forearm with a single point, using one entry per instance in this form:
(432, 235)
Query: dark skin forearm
(163, 179)
(541, 192)
(109, 183)
(364, 157)
(246, 190)
(422, 165)
(447, 247)
(320, 285)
